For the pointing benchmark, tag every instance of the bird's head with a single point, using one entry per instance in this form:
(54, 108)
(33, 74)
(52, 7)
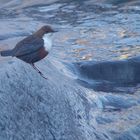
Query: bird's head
(45, 30)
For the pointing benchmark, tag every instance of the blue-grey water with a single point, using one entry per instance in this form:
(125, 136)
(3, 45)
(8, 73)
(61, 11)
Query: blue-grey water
(88, 30)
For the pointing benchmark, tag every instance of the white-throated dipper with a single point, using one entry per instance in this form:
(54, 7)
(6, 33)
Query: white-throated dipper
(33, 48)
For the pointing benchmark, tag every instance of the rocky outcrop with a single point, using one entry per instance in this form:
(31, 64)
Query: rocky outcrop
(58, 108)
(36, 108)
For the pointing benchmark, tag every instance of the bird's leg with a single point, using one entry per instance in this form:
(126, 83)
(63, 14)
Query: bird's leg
(41, 74)
(35, 68)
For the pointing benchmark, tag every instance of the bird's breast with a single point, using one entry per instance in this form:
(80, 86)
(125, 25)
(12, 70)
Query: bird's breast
(42, 53)
(47, 43)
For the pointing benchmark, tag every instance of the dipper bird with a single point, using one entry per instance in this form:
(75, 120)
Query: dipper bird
(33, 48)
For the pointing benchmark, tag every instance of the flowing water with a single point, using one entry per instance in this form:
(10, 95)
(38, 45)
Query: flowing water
(88, 30)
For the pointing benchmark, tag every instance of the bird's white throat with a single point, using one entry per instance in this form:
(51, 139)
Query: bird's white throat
(47, 41)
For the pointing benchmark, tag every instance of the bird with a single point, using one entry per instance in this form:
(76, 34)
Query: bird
(33, 48)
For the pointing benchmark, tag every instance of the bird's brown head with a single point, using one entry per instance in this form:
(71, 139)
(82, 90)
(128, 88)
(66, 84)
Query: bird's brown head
(44, 30)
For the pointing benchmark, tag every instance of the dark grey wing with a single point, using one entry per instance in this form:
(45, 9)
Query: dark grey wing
(28, 45)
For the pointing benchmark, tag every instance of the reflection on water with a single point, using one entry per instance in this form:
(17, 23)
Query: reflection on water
(88, 30)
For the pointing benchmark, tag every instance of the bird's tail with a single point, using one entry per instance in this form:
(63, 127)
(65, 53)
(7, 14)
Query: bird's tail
(6, 53)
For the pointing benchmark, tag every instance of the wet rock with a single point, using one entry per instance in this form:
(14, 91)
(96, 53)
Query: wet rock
(53, 109)
(109, 74)
(36, 108)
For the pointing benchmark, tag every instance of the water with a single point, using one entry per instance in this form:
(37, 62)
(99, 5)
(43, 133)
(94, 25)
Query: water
(88, 30)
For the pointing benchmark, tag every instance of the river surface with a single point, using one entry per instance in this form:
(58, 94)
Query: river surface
(88, 30)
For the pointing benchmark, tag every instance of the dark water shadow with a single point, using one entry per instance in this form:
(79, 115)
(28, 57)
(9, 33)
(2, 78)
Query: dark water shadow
(110, 87)
(118, 1)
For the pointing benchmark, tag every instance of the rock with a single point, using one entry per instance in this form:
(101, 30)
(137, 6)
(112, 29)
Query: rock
(109, 74)
(35, 108)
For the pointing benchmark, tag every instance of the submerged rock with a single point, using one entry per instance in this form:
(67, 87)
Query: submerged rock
(109, 74)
